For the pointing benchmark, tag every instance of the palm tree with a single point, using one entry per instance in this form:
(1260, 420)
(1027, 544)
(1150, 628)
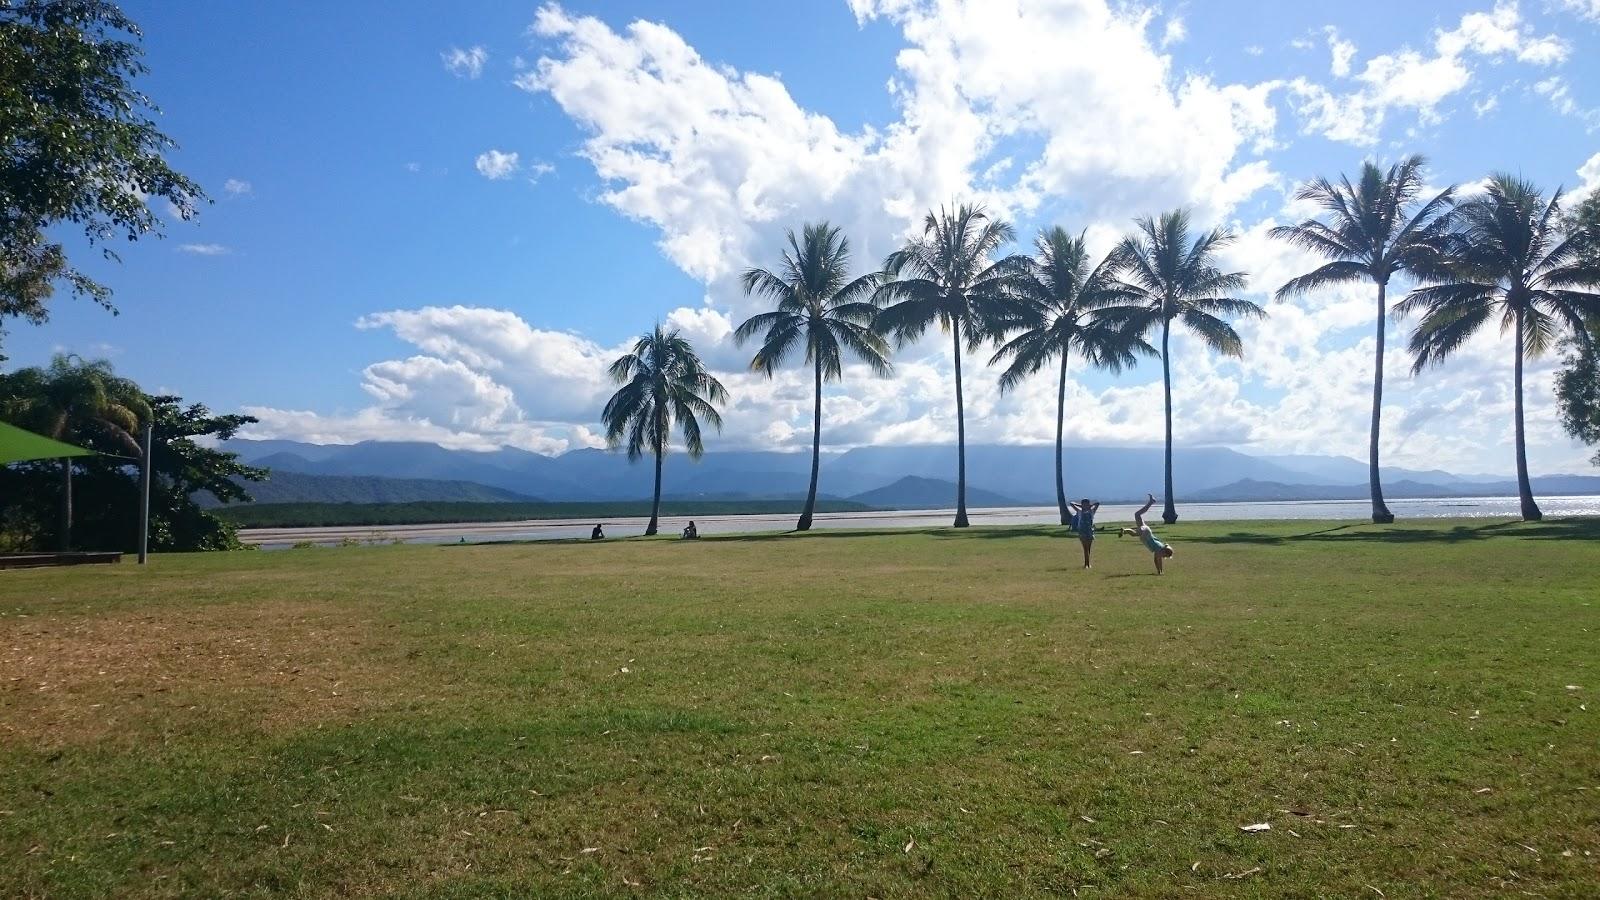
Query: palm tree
(1175, 277)
(663, 382)
(821, 308)
(77, 401)
(1375, 232)
(947, 276)
(1506, 256)
(1069, 306)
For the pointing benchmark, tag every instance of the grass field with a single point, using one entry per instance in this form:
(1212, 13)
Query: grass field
(1415, 710)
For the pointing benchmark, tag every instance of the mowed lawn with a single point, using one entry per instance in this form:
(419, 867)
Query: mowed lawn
(1415, 711)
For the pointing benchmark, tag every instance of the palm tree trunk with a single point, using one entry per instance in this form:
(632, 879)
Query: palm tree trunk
(66, 505)
(1170, 513)
(1530, 510)
(1061, 415)
(816, 454)
(1380, 510)
(655, 505)
(961, 437)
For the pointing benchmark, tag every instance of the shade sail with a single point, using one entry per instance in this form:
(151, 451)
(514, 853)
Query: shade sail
(17, 445)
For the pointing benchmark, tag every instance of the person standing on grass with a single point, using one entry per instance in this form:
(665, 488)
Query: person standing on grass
(1083, 523)
(1142, 531)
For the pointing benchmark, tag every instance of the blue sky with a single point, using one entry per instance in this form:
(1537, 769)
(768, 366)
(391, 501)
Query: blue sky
(360, 275)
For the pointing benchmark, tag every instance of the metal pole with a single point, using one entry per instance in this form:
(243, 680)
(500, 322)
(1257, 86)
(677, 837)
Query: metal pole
(144, 495)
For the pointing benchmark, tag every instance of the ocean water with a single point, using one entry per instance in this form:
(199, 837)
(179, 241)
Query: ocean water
(556, 529)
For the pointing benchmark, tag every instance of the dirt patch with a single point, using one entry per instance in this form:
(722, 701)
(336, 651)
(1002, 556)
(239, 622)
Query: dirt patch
(65, 680)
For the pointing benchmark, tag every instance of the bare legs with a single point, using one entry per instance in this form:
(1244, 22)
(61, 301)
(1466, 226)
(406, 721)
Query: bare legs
(1138, 517)
(1088, 544)
(1158, 562)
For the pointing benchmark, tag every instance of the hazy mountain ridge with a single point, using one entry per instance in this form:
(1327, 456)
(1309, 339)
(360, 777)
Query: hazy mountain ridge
(1016, 474)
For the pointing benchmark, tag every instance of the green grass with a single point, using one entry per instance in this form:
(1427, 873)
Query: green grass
(895, 714)
(432, 512)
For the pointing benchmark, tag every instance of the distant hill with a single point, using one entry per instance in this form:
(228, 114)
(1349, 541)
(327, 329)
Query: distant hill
(1016, 473)
(295, 487)
(912, 492)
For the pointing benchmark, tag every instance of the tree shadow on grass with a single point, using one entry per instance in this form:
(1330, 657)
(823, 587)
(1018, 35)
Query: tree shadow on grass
(1577, 529)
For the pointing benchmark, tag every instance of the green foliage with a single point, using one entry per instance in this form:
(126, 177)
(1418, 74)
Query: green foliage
(316, 515)
(948, 276)
(1173, 275)
(1509, 257)
(1373, 230)
(85, 403)
(663, 382)
(80, 145)
(821, 308)
(1578, 387)
(1066, 305)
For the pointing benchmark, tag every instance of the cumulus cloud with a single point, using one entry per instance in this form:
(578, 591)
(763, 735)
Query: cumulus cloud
(719, 162)
(1583, 9)
(235, 187)
(496, 165)
(1417, 81)
(466, 63)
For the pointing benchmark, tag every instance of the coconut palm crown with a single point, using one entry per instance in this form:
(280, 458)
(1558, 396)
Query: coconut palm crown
(1069, 305)
(1374, 229)
(948, 275)
(1175, 278)
(822, 310)
(1507, 257)
(664, 383)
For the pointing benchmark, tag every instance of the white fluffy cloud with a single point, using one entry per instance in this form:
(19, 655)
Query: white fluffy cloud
(1584, 9)
(235, 187)
(720, 162)
(466, 63)
(1415, 80)
(496, 165)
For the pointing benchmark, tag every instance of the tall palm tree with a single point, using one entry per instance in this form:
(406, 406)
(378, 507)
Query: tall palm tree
(1175, 278)
(1375, 231)
(1068, 305)
(1507, 256)
(949, 276)
(77, 401)
(663, 382)
(822, 309)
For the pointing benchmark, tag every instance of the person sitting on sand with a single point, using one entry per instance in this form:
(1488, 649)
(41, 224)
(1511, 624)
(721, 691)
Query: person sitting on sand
(597, 534)
(1144, 534)
(1083, 523)
(690, 532)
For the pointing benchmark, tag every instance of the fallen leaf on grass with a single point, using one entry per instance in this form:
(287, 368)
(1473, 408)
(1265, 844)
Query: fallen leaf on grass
(1195, 867)
(1245, 874)
(1259, 826)
(1483, 790)
(1087, 819)
(909, 845)
(1102, 853)
(584, 850)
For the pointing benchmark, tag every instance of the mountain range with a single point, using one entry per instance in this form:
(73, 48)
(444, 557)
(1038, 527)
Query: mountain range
(996, 474)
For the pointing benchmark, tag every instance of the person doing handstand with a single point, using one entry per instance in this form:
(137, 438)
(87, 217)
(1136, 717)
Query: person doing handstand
(1083, 523)
(1147, 537)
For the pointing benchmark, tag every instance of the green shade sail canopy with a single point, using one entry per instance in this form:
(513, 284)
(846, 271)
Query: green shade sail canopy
(17, 445)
